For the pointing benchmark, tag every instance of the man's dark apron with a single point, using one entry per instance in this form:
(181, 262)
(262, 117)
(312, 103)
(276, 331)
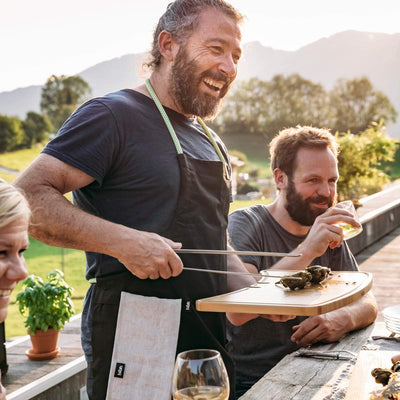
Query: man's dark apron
(200, 222)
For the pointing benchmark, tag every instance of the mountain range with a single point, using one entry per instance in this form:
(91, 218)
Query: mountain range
(348, 54)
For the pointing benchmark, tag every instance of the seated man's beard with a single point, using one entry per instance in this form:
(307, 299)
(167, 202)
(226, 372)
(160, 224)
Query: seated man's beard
(300, 210)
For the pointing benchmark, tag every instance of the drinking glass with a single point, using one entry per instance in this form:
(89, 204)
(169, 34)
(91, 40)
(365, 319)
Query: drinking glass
(349, 231)
(200, 375)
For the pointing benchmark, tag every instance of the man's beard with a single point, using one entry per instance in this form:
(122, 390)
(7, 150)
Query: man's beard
(300, 210)
(185, 88)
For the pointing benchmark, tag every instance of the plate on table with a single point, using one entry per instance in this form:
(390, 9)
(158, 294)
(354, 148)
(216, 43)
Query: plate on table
(391, 316)
(341, 289)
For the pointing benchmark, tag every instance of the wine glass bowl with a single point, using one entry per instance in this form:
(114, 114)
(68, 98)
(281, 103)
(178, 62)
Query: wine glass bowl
(200, 375)
(349, 231)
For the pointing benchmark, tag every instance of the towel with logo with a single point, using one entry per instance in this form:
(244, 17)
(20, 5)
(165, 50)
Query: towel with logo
(144, 348)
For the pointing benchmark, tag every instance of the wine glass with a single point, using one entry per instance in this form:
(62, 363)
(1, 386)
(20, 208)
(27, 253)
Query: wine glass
(200, 375)
(349, 231)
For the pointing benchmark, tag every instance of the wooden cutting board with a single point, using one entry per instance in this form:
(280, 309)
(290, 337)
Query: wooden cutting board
(340, 290)
(362, 383)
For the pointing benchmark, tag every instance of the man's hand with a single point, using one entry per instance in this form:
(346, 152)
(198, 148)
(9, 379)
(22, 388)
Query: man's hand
(148, 255)
(324, 233)
(321, 328)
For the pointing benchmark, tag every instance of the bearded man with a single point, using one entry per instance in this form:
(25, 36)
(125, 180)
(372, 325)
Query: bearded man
(301, 219)
(147, 177)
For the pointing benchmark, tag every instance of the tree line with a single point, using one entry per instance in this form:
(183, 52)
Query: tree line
(265, 107)
(60, 96)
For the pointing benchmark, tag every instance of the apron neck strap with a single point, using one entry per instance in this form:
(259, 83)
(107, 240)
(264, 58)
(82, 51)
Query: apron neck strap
(171, 129)
(207, 131)
(165, 117)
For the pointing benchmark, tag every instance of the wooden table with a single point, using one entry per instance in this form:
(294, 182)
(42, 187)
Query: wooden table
(303, 378)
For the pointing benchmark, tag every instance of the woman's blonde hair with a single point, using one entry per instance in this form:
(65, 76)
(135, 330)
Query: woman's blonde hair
(13, 204)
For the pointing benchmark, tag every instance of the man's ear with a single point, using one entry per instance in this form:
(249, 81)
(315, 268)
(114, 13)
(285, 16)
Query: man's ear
(281, 179)
(167, 45)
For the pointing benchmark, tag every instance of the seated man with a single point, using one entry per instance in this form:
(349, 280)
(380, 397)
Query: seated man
(301, 219)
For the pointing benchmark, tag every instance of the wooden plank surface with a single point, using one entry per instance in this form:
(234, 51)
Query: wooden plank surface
(300, 378)
(362, 383)
(341, 289)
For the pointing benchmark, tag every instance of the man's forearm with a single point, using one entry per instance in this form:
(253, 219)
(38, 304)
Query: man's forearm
(57, 222)
(295, 263)
(362, 312)
(236, 282)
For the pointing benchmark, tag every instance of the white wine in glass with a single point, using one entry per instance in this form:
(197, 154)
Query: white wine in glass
(200, 375)
(349, 231)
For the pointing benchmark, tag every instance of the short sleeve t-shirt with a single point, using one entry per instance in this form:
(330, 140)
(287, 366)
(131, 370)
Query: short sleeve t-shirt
(122, 142)
(260, 344)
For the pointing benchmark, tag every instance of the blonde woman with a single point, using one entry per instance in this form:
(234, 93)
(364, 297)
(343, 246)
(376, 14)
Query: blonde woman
(14, 219)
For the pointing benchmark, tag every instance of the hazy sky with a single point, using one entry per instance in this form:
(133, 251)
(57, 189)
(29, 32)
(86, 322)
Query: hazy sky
(43, 37)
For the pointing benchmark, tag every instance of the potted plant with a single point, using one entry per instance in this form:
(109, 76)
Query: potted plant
(47, 306)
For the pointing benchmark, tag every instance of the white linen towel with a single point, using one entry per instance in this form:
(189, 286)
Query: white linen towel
(144, 348)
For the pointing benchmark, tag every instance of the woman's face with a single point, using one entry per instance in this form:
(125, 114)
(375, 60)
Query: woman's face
(13, 242)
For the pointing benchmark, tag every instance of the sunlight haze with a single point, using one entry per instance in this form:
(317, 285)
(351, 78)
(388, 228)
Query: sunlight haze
(40, 38)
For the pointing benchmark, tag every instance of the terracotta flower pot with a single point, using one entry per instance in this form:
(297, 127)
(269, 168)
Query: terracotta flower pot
(44, 345)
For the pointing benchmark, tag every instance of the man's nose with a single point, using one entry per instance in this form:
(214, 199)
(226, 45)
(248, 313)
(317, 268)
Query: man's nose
(324, 189)
(228, 66)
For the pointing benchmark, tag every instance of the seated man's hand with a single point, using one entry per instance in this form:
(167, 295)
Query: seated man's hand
(324, 233)
(321, 328)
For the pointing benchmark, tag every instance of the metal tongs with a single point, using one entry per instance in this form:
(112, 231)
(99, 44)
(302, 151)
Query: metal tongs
(238, 252)
(328, 354)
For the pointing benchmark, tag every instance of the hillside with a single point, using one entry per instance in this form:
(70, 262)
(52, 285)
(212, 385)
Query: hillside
(348, 54)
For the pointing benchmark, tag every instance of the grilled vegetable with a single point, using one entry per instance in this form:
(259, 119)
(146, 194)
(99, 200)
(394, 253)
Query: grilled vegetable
(299, 280)
(381, 375)
(319, 274)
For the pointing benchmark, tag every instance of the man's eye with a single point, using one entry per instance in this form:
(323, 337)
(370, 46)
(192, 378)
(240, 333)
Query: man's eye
(235, 58)
(21, 251)
(216, 49)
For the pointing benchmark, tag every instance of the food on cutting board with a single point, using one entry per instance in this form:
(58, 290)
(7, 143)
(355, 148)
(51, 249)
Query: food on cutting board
(390, 379)
(312, 275)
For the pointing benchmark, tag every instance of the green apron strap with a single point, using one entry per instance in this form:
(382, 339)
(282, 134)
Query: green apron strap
(205, 127)
(171, 129)
(165, 117)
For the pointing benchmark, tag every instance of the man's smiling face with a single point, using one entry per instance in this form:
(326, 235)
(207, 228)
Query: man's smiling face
(312, 188)
(206, 65)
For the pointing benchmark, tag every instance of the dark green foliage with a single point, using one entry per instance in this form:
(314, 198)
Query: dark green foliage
(355, 104)
(37, 128)
(11, 133)
(45, 305)
(61, 95)
(359, 161)
(257, 107)
(263, 108)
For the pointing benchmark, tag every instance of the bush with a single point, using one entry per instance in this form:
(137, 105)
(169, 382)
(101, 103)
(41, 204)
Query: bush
(359, 159)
